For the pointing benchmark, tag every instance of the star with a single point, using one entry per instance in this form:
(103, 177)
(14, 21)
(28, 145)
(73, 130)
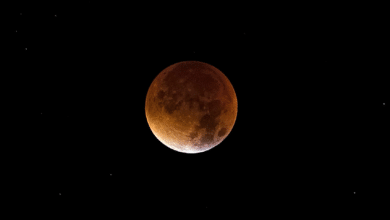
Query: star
(110, 174)
(354, 192)
(25, 48)
(59, 193)
(384, 103)
(55, 15)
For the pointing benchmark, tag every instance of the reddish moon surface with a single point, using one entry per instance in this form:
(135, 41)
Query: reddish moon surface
(191, 106)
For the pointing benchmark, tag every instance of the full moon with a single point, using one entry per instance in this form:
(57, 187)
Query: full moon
(191, 107)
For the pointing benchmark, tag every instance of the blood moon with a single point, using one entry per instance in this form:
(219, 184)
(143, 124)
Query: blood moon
(191, 106)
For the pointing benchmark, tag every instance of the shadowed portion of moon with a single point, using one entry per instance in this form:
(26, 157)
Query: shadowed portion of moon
(191, 106)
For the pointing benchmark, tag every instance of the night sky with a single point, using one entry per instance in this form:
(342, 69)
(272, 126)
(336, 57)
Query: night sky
(310, 127)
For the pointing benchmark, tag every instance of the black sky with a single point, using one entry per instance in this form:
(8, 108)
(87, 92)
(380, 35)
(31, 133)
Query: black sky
(309, 130)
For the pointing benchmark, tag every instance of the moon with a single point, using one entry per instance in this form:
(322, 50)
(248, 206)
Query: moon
(191, 107)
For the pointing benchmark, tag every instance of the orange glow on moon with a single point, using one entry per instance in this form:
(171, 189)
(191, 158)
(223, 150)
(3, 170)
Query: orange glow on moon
(191, 106)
